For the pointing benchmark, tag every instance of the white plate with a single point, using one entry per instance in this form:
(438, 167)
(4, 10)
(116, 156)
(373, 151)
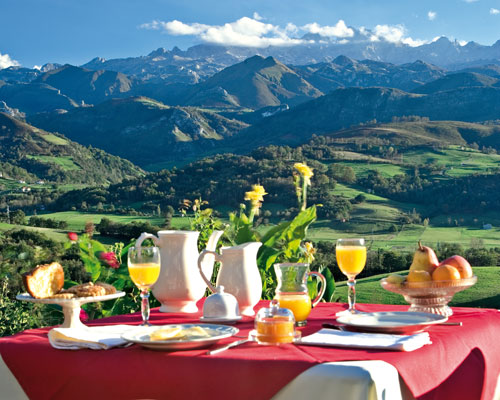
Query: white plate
(402, 322)
(141, 336)
(230, 320)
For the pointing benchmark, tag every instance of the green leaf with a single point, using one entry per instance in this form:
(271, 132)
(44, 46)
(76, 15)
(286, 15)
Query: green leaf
(312, 287)
(330, 284)
(285, 238)
(246, 234)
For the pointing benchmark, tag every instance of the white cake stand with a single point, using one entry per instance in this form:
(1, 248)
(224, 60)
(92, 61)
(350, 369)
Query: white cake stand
(71, 307)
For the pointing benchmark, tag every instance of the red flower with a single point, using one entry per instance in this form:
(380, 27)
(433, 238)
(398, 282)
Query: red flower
(110, 259)
(73, 236)
(84, 317)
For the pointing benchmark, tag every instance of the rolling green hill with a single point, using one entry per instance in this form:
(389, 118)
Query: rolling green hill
(345, 108)
(455, 81)
(31, 153)
(421, 133)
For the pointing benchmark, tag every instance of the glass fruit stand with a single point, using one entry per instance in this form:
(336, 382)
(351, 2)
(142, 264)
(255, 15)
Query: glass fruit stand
(431, 297)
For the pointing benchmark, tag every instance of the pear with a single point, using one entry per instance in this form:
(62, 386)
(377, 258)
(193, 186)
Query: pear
(424, 259)
(395, 279)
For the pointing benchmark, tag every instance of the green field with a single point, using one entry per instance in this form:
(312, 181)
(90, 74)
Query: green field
(322, 230)
(53, 234)
(76, 223)
(457, 160)
(51, 138)
(64, 162)
(77, 220)
(410, 235)
(361, 168)
(485, 293)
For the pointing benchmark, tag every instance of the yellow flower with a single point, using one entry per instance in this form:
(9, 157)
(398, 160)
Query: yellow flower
(305, 171)
(257, 194)
(310, 251)
(256, 197)
(259, 189)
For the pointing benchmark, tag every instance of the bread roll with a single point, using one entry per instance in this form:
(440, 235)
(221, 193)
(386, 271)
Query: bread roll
(44, 281)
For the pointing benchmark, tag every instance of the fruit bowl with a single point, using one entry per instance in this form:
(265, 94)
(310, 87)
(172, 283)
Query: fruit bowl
(432, 297)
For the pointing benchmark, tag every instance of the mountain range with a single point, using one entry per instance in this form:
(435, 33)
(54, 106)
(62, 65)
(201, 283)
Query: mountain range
(204, 60)
(254, 83)
(155, 111)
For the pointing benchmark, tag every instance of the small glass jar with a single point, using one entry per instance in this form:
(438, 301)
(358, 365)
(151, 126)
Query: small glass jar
(275, 325)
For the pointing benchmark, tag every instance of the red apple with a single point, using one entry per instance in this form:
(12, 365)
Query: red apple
(461, 264)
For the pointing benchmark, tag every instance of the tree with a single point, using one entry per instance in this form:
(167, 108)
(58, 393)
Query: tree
(18, 217)
(168, 221)
(89, 229)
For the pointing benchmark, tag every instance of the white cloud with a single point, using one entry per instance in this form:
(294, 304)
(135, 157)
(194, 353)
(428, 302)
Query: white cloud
(470, 1)
(253, 32)
(175, 27)
(291, 28)
(494, 11)
(339, 30)
(243, 32)
(257, 17)
(394, 34)
(431, 15)
(6, 61)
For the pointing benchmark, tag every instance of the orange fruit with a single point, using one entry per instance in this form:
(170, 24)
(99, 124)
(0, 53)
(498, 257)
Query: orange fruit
(416, 276)
(461, 264)
(446, 272)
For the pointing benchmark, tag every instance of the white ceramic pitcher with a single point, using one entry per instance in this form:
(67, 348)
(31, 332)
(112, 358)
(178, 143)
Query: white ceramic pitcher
(180, 285)
(238, 274)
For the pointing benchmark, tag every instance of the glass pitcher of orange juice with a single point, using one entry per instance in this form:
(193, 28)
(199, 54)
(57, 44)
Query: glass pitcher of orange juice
(292, 292)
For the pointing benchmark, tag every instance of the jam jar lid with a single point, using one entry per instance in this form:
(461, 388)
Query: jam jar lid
(274, 310)
(275, 325)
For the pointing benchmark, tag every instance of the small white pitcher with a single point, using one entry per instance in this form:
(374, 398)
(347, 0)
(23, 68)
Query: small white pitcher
(238, 274)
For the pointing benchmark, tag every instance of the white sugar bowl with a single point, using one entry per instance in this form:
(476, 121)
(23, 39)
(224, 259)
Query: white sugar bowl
(221, 307)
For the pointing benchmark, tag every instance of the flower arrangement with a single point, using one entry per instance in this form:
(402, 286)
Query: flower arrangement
(280, 243)
(283, 242)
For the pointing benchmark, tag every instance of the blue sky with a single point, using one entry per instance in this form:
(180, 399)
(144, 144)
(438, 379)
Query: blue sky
(35, 32)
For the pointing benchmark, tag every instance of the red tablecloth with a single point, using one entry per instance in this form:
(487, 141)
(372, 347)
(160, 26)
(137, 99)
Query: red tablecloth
(462, 363)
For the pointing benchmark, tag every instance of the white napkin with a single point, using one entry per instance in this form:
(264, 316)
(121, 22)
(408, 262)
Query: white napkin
(96, 337)
(331, 337)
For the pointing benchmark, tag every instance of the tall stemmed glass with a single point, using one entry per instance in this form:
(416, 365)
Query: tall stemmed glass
(351, 258)
(144, 270)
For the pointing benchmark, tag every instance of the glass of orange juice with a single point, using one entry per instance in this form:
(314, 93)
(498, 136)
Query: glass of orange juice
(351, 259)
(144, 270)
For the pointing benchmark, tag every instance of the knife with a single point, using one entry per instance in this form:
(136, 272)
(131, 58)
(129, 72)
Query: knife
(228, 346)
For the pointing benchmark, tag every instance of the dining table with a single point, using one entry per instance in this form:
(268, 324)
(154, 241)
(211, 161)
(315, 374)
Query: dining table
(462, 362)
